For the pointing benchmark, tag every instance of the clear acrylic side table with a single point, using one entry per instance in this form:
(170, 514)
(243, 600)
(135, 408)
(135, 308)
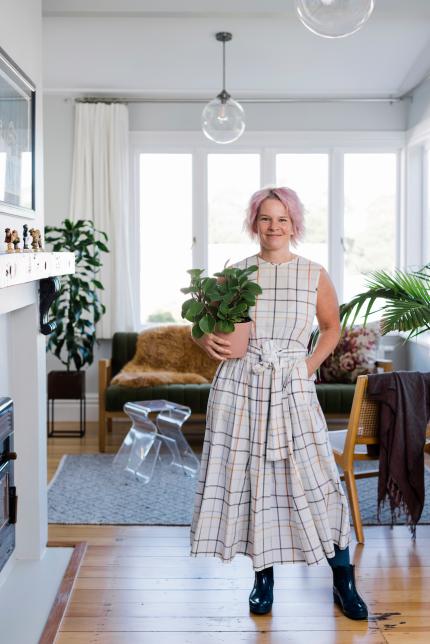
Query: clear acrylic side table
(146, 442)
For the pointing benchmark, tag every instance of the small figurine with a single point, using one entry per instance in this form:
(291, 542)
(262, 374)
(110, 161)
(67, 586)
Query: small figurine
(36, 243)
(8, 240)
(15, 241)
(26, 247)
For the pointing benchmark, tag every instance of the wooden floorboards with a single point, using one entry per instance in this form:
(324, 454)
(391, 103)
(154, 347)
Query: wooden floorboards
(138, 585)
(62, 597)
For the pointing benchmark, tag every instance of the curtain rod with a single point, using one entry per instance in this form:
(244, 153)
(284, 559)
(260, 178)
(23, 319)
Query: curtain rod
(137, 99)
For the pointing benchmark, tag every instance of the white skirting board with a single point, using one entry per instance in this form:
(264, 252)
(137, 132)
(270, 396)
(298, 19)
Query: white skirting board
(30, 590)
(68, 410)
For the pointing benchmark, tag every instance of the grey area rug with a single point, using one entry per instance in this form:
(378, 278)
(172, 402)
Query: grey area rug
(88, 490)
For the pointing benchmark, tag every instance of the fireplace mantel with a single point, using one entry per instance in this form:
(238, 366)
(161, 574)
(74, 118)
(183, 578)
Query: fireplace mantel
(19, 268)
(25, 296)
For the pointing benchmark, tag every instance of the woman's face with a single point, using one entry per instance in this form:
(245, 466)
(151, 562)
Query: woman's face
(273, 225)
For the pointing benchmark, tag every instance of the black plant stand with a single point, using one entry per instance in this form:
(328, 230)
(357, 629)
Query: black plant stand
(66, 385)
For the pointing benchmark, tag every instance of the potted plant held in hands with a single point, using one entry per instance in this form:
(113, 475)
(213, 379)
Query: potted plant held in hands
(221, 306)
(77, 309)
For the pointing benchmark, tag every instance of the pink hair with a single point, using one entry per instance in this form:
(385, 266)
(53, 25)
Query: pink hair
(291, 202)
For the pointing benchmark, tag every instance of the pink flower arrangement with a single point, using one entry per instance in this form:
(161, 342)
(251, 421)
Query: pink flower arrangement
(354, 355)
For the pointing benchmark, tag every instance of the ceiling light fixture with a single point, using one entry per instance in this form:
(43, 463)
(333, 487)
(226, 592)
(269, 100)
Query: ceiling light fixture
(223, 119)
(334, 18)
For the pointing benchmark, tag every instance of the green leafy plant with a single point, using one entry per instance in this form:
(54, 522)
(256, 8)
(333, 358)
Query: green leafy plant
(406, 306)
(407, 301)
(218, 304)
(77, 309)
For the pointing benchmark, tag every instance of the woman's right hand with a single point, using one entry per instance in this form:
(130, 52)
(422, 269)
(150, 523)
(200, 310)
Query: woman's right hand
(214, 346)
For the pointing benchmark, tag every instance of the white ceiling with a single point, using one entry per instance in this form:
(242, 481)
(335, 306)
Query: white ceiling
(168, 47)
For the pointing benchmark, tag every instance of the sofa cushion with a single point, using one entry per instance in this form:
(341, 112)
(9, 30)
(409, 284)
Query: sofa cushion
(354, 355)
(335, 398)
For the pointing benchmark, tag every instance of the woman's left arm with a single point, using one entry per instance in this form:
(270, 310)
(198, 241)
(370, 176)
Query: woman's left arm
(327, 312)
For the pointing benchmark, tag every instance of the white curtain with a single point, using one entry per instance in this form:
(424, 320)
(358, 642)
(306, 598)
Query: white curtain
(100, 191)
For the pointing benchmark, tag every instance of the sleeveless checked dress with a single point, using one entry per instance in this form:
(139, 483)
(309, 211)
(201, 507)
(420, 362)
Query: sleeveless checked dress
(268, 484)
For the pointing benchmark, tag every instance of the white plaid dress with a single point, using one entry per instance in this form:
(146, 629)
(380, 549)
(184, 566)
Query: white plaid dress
(268, 485)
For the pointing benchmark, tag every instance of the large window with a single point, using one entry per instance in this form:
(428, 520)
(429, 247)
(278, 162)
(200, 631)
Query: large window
(193, 202)
(425, 244)
(165, 235)
(232, 178)
(2, 175)
(307, 174)
(369, 218)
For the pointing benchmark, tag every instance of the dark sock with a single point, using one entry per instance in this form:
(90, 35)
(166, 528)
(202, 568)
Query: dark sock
(341, 557)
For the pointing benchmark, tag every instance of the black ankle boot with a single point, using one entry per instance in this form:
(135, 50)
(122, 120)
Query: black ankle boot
(261, 597)
(345, 593)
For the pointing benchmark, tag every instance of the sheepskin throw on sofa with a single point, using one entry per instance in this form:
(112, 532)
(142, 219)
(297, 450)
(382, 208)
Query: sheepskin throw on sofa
(167, 355)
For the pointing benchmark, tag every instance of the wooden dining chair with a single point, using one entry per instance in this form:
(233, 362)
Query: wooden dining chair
(359, 442)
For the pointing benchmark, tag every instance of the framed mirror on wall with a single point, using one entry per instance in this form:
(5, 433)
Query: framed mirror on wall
(17, 134)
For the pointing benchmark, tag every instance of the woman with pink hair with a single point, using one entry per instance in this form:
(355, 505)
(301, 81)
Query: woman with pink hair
(269, 487)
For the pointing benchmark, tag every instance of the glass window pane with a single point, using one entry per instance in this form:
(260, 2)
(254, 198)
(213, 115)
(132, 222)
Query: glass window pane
(2, 175)
(165, 235)
(232, 178)
(25, 179)
(307, 174)
(370, 218)
(426, 222)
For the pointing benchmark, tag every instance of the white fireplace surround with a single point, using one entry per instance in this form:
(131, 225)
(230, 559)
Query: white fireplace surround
(18, 268)
(23, 378)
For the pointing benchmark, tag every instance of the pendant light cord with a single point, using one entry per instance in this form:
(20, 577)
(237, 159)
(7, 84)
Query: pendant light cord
(223, 65)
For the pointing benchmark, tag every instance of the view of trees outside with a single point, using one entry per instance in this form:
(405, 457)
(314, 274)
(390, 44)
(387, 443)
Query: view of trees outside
(307, 175)
(232, 179)
(165, 235)
(370, 217)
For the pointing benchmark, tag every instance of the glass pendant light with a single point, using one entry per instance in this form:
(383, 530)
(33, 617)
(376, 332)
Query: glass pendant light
(223, 119)
(334, 18)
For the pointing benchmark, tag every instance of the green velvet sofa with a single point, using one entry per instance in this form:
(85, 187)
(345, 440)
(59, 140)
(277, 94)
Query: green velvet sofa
(335, 399)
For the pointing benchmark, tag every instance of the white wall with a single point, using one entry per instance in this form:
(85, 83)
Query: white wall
(277, 116)
(21, 39)
(419, 109)
(24, 359)
(418, 126)
(58, 116)
(4, 357)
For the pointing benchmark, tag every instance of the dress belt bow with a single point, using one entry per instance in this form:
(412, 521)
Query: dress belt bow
(273, 359)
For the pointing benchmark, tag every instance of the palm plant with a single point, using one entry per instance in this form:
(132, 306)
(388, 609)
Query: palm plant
(406, 306)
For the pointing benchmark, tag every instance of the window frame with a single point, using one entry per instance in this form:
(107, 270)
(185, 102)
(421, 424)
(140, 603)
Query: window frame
(268, 145)
(425, 244)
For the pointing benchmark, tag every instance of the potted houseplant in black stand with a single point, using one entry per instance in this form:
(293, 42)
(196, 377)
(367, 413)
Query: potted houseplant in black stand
(77, 309)
(221, 306)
